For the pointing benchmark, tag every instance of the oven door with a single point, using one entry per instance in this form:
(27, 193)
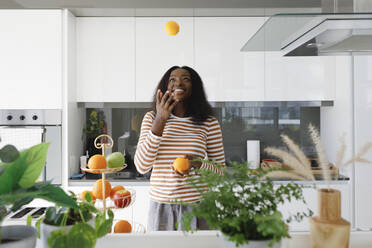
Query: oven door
(23, 137)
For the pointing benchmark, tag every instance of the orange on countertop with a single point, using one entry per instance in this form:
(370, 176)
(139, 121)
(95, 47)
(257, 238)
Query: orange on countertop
(122, 226)
(114, 189)
(181, 165)
(98, 191)
(97, 162)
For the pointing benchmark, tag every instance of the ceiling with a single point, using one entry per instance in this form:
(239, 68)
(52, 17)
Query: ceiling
(16, 4)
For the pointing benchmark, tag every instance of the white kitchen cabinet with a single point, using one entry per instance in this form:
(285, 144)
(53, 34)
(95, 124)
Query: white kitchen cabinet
(157, 51)
(105, 59)
(299, 78)
(229, 74)
(31, 59)
(311, 197)
(362, 135)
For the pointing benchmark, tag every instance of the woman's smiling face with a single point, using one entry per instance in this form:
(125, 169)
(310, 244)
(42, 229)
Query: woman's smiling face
(179, 84)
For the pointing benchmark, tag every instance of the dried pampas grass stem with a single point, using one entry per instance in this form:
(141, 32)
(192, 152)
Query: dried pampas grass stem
(292, 162)
(322, 157)
(341, 152)
(297, 151)
(359, 157)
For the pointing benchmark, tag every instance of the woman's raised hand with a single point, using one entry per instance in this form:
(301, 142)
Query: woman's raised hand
(164, 104)
(164, 107)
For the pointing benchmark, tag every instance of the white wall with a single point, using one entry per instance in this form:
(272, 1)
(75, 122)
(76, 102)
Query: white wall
(73, 117)
(338, 120)
(363, 134)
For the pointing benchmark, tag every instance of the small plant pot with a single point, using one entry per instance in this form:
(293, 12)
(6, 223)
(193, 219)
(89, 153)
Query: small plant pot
(46, 229)
(252, 243)
(23, 236)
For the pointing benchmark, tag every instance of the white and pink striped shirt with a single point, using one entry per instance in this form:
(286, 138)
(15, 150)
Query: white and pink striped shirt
(180, 137)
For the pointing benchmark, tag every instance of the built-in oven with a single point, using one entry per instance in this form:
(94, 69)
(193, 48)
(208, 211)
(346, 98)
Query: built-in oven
(25, 128)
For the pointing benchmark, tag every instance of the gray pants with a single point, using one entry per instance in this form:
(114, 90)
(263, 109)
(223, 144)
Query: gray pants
(167, 217)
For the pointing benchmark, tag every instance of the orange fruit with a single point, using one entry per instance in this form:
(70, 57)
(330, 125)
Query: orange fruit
(181, 165)
(98, 191)
(122, 226)
(84, 193)
(97, 162)
(114, 189)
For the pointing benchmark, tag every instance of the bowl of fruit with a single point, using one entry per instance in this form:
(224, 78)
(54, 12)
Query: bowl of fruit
(98, 164)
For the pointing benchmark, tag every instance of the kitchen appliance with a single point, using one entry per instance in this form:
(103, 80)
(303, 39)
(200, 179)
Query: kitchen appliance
(25, 128)
(340, 30)
(253, 153)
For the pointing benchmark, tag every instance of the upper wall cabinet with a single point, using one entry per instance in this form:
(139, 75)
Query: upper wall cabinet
(157, 51)
(105, 59)
(299, 78)
(229, 74)
(31, 59)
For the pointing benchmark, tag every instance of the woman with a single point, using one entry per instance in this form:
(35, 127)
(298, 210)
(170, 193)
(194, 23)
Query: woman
(180, 125)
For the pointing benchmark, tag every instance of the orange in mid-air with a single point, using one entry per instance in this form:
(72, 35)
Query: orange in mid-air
(181, 165)
(98, 191)
(122, 226)
(114, 189)
(84, 193)
(97, 162)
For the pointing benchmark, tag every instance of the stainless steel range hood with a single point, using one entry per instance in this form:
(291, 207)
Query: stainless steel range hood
(317, 34)
(314, 35)
(335, 35)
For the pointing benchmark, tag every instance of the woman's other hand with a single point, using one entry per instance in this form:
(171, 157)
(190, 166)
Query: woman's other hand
(164, 106)
(193, 164)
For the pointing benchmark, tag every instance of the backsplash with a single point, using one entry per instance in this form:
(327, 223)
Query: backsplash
(238, 125)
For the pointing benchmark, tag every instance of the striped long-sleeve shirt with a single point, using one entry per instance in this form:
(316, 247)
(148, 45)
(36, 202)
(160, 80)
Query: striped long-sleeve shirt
(180, 137)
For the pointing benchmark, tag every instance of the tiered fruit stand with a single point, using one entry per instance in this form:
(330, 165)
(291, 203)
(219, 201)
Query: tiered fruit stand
(105, 143)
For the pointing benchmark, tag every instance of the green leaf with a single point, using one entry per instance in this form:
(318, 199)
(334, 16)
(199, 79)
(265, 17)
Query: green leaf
(58, 239)
(2, 167)
(43, 190)
(21, 202)
(12, 173)
(9, 153)
(37, 225)
(81, 235)
(55, 194)
(29, 219)
(35, 162)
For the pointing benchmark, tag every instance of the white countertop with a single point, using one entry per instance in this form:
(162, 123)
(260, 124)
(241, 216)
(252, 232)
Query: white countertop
(212, 239)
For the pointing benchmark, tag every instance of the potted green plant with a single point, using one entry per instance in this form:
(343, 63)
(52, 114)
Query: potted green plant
(243, 205)
(74, 227)
(18, 173)
(95, 125)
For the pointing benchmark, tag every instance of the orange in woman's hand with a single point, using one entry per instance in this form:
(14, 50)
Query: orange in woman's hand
(98, 191)
(122, 226)
(181, 165)
(97, 162)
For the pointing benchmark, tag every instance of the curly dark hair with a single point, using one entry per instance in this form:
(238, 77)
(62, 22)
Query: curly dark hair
(197, 105)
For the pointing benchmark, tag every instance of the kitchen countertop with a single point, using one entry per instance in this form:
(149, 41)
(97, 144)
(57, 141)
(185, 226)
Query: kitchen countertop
(212, 239)
(146, 182)
(128, 182)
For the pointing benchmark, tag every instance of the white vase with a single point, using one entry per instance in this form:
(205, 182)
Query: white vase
(26, 236)
(46, 229)
(252, 244)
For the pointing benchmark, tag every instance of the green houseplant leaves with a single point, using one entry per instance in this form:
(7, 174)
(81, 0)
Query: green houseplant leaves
(36, 157)
(242, 204)
(18, 176)
(82, 234)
